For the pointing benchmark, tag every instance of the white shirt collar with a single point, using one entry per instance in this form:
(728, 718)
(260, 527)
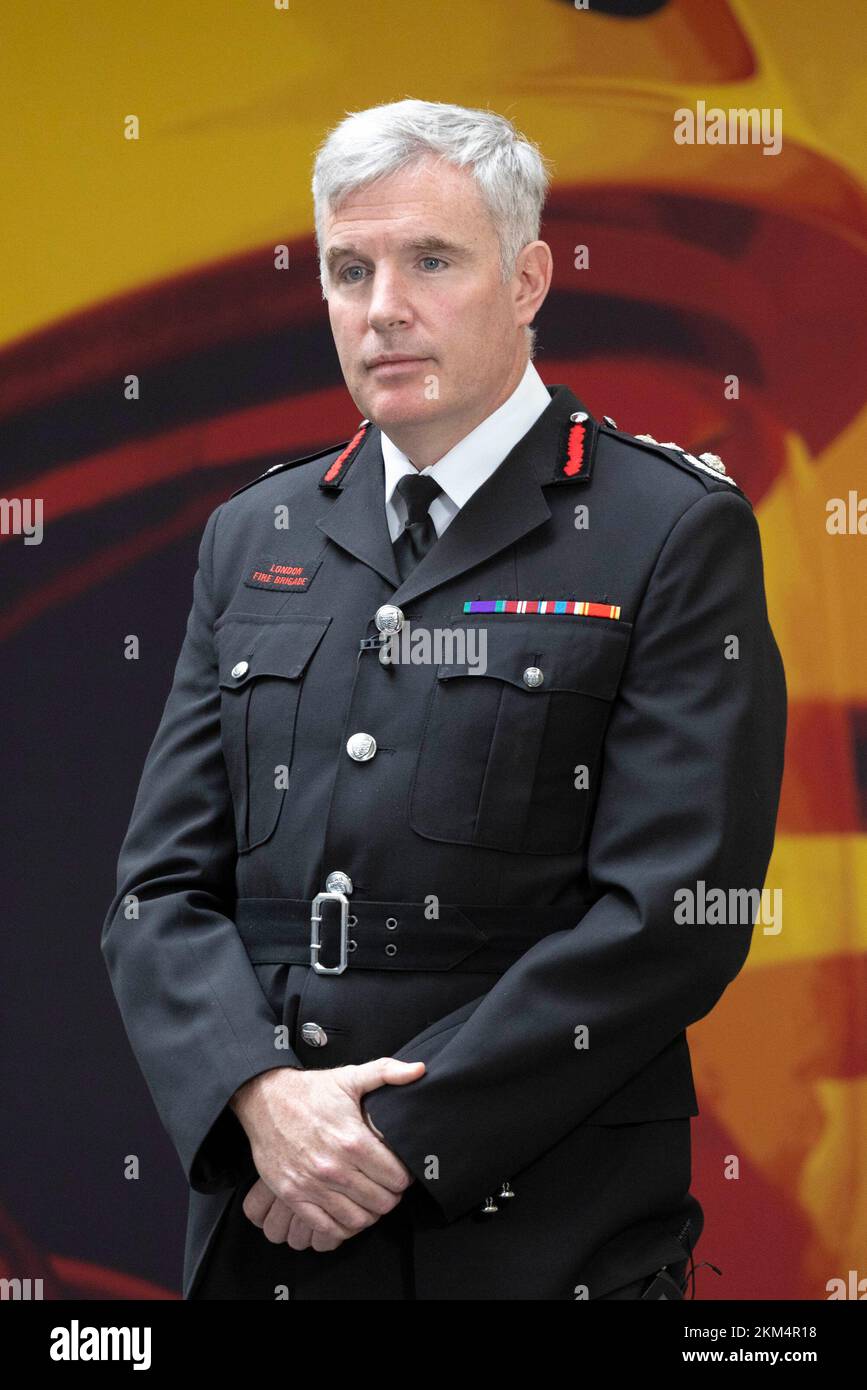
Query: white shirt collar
(474, 458)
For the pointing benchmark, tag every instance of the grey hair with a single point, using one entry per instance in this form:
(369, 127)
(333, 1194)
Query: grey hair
(510, 172)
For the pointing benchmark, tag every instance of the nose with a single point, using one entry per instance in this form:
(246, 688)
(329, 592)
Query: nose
(389, 305)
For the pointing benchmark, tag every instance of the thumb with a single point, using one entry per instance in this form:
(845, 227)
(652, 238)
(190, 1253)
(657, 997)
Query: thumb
(385, 1071)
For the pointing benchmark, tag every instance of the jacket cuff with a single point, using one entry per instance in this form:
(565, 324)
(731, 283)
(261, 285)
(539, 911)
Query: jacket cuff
(439, 1163)
(222, 1158)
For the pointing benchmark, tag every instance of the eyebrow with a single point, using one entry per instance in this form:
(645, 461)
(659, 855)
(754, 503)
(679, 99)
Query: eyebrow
(426, 243)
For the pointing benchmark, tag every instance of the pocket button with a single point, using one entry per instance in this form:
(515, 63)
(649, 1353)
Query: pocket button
(314, 1035)
(361, 747)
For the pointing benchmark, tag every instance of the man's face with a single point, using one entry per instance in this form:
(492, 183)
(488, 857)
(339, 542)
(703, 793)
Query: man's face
(414, 270)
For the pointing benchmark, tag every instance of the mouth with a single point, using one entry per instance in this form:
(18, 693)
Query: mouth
(397, 365)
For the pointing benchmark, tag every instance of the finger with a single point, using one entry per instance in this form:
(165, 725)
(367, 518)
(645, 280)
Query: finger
(303, 1237)
(318, 1242)
(362, 1191)
(384, 1071)
(378, 1164)
(347, 1217)
(277, 1222)
(323, 1223)
(258, 1202)
(299, 1235)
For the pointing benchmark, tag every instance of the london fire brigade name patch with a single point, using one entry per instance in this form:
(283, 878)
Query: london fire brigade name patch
(281, 575)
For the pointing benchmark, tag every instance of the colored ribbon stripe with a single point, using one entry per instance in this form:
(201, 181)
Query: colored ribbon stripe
(543, 605)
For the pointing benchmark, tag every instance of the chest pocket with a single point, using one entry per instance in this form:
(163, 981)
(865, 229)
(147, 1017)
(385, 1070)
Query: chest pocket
(261, 677)
(510, 765)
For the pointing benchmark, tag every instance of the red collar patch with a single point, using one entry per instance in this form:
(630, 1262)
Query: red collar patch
(574, 462)
(337, 471)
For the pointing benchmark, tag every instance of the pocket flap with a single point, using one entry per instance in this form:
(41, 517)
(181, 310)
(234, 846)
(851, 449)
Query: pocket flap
(584, 655)
(282, 648)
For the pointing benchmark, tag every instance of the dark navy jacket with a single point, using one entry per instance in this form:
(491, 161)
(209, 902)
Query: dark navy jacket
(249, 799)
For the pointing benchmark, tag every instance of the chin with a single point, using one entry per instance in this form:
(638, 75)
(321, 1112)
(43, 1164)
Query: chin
(398, 407)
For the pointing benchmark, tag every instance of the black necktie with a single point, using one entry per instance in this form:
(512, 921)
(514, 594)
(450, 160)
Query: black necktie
(419, 533)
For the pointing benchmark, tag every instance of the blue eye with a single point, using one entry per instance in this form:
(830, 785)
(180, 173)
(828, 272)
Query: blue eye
(344, 273)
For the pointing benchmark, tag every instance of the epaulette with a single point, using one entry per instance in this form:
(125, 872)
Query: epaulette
(711, 465)
(345, 446)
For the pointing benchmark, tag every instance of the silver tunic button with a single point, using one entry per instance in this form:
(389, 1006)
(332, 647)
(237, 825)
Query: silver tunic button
(579, 417)
(361, 747)
(314, 1035)
(388, 618)
(490, 1207)
(533, 677)
(240, 669)
(338, 882)
(608, 420)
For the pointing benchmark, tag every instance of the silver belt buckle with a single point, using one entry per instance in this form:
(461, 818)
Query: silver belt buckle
(315, 937)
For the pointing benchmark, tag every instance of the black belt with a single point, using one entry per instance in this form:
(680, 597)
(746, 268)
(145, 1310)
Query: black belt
(331, 932)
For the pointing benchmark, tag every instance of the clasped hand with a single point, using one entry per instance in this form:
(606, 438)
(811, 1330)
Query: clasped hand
(325, 1170)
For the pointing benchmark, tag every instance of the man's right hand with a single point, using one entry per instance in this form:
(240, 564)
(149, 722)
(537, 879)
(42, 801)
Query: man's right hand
(313, 1148)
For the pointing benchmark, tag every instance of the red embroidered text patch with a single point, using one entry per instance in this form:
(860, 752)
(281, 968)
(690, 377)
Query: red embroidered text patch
(281, 575)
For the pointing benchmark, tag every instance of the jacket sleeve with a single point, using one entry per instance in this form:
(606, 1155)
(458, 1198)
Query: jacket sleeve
(690, 781)
(196, 1017)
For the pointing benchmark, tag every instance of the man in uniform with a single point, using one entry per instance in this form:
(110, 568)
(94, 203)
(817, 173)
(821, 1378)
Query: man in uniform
(473, 708)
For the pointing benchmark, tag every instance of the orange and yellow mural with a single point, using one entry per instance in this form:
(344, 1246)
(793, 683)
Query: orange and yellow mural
(720, 303)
